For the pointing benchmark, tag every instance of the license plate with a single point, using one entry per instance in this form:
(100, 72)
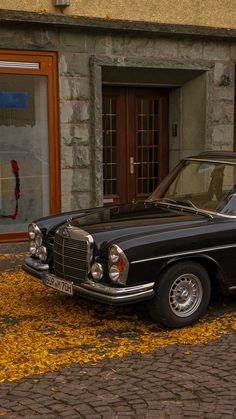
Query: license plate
(59, 284)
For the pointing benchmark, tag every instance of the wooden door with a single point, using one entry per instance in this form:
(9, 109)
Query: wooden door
(135, 142)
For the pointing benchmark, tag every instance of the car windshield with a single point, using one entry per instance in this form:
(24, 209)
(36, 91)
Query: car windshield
(209, 186)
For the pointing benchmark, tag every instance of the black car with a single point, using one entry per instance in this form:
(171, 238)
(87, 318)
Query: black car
(171, 249)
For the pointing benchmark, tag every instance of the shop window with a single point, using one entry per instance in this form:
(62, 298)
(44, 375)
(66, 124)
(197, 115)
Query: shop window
(29, 176)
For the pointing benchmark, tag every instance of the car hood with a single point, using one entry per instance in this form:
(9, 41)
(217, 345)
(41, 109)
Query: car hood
(123, 222)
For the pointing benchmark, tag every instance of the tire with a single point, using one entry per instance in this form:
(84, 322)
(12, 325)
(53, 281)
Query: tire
(182, 295)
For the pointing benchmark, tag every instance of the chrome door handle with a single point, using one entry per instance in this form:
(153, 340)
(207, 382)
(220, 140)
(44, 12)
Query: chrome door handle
(132, 163)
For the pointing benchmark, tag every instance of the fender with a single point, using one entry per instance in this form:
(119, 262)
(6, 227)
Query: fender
(212, 267)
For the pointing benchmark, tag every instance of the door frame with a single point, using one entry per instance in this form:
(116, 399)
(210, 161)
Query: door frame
(98, 63)
(48, 67)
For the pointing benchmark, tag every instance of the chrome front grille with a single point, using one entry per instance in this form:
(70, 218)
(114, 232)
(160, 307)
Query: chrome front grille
(71, 255)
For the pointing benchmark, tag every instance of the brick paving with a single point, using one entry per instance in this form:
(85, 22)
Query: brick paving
(175, 382)
(164, 384)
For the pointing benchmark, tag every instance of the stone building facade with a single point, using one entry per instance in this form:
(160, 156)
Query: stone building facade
(190, 69)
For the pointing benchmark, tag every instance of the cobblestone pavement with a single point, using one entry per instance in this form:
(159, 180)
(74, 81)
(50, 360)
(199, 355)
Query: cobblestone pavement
(178, 381)
(165, 384)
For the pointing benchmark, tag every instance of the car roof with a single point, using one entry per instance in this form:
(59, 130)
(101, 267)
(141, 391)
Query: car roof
(224, 156)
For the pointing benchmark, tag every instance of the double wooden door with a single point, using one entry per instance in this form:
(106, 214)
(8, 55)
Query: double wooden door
(135, 142)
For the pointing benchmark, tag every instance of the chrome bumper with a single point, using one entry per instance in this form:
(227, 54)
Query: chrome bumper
(96, 291)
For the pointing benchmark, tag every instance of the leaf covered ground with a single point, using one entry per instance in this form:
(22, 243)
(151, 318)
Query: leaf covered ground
(42, 330)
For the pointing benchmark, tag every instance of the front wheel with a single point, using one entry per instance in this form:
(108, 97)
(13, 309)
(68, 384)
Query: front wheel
(182, 295)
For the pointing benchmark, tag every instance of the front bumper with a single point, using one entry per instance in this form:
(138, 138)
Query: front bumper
(96, 291)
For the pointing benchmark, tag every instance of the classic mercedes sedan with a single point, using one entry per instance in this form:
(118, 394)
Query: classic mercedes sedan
(170, 250)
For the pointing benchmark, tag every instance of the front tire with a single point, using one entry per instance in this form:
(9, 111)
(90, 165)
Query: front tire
(182, 295)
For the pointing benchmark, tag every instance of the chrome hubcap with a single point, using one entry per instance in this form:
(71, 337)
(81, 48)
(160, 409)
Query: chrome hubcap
(185, 295)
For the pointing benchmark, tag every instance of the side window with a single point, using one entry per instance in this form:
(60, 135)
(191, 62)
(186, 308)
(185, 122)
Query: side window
(229, 191)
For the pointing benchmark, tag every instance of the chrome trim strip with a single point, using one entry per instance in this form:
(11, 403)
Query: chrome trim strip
(144, 295)
(105, 289)
(101, 292)
(224, 215)
(112, 295)
(209, 160)
(189, 252)
(36, 264)
(62, 256)
(124, 277)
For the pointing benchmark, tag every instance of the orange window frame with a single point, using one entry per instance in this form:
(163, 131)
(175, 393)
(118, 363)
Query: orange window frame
(47, 67)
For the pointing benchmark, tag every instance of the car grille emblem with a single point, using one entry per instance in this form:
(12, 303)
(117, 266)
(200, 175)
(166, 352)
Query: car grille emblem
(65, 232)
(69, 221)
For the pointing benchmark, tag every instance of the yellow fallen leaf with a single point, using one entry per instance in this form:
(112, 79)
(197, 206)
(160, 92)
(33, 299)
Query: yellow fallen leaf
(42, 330)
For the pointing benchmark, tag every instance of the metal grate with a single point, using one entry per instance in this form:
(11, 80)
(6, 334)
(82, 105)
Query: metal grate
(71, 258)
(147, 145)
(19, 64)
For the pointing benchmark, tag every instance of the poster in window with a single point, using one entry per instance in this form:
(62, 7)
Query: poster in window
(0, 188)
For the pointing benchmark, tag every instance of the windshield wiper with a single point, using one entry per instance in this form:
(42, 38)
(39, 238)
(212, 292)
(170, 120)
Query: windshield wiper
(188, 204)
(172, 201)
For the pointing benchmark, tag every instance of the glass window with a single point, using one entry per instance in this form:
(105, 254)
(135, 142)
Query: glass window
(205, 185)
(24, 154)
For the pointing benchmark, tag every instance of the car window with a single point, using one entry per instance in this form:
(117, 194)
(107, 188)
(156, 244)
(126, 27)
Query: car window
(207, 185)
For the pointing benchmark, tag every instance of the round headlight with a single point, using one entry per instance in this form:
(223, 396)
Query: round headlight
(97, 271)
(42, 253)
(114, 273)
(38, 240)
(33, 230)
(114, 254)
(32, 248)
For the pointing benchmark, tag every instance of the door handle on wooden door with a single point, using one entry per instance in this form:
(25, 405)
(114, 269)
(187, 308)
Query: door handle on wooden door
(132, 163)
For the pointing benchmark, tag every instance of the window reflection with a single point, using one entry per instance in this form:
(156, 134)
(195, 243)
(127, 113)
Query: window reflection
(24, 140)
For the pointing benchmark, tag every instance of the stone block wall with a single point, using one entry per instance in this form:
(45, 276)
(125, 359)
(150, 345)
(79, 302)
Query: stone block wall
(80, 91)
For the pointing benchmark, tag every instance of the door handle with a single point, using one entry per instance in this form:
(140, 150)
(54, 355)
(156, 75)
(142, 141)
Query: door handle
(132, 163)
